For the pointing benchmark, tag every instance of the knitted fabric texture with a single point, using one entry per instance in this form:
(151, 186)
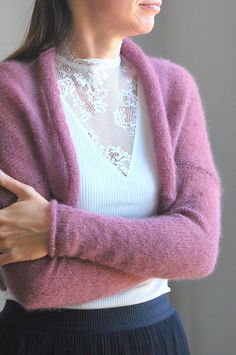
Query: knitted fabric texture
(92, 255)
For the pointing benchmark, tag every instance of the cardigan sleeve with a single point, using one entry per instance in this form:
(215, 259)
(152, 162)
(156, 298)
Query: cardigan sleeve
(183, 243)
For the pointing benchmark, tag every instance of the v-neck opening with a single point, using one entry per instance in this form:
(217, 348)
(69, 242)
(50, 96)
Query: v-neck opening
(146, 68)
(95, 146)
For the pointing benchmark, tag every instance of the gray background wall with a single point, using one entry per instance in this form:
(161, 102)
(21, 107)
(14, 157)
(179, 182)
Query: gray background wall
(200, 36)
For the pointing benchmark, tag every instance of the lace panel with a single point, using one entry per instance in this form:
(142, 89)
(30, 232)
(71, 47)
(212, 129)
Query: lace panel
(103, 95)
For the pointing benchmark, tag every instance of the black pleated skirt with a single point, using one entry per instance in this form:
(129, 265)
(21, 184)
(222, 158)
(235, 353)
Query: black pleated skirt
(149, 328)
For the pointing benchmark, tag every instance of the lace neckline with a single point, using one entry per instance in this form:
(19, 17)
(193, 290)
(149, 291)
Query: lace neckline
(64, 54)
(103, 102)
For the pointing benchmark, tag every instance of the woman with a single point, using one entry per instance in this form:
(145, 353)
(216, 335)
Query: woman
(108, 188)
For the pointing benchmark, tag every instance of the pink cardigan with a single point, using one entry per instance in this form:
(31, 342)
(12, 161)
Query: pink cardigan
(92, 255)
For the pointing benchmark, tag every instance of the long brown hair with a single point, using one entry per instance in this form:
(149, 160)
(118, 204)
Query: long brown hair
(50, 24)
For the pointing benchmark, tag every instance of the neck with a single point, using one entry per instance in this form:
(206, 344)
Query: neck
(89, 47)
(92, 36)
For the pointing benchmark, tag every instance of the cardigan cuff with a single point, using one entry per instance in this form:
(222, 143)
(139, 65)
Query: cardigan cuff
(53, 224)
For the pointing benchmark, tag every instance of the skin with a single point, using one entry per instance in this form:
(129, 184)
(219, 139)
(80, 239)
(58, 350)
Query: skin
(24, 225)
(99, 27)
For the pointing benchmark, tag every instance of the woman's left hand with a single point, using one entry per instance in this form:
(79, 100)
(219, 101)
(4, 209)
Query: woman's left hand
(24, 225)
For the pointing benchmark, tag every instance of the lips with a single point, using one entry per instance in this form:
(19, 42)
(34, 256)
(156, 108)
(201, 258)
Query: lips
(157, 3)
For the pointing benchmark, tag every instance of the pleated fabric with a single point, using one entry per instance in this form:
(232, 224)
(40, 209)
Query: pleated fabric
(150, 328)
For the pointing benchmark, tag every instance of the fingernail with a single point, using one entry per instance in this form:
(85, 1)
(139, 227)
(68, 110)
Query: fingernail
(1, 172)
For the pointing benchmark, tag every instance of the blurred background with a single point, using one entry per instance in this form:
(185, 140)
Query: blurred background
(202, 37)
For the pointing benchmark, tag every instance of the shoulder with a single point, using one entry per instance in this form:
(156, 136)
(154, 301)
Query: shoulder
(18, 81)
(174, 76)
(16, 77)
(13, 69)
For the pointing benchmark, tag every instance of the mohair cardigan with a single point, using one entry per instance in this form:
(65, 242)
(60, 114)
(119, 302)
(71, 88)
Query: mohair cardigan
(92, 255)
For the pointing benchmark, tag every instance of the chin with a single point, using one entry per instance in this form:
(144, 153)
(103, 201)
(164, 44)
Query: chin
(140, 30)
(144, 31)
(147, 30)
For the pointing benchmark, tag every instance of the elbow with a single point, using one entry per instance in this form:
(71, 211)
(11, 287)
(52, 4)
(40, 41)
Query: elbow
(197, 262)
(204, 262)
(30, 300)
(34, 301)
(209, 264)
(29, 304)
(209, 249)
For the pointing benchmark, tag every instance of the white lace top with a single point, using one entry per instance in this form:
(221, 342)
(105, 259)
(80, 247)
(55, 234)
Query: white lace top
(109, 119)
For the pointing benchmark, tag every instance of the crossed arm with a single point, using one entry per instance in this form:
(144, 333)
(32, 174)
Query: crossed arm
(91, 255)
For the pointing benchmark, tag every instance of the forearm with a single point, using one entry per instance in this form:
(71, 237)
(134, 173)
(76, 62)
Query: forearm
(182, 244)
(54, 282)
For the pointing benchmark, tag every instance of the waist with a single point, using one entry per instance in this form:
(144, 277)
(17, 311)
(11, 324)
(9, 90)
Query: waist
(125, 317)
(142, 292)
